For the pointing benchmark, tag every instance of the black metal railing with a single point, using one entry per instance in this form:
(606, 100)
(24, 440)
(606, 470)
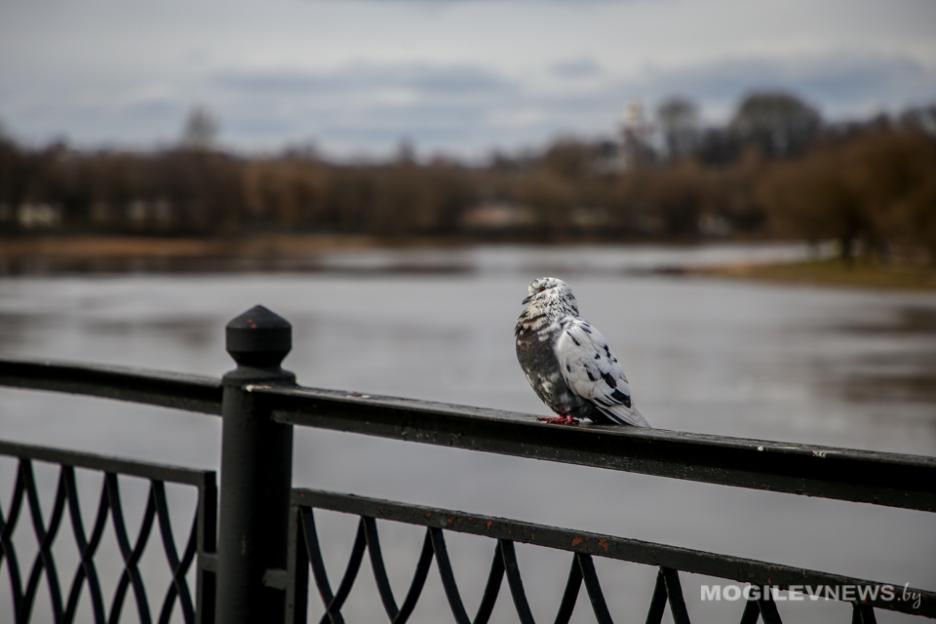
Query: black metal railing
(268, 544)
(305, 551)
(67, 507)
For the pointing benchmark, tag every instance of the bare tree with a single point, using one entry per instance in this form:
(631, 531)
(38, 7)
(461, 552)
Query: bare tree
(779, 123)
(679, 119)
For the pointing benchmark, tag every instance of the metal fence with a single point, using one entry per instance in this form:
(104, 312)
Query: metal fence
(25, 500)
(268, 549)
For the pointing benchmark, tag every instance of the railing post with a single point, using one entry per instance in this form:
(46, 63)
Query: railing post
(256, 472)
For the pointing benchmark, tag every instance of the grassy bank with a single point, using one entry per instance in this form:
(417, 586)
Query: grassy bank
(271, 251)
(833, 272)
(102, 246)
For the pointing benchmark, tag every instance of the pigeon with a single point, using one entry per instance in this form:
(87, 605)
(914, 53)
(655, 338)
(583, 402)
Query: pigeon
(568, 362)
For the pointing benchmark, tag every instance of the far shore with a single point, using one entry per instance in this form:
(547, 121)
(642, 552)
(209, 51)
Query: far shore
(81, 247)
(831, 272)
(86, 246)
(95, 253)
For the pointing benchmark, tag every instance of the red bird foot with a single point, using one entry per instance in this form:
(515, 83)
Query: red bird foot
(559, 420)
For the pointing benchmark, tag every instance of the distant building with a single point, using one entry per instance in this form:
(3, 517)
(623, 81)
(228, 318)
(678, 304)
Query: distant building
(39, 215)
(633, 147)
(636, 147)
(497, 215)
(150, 213)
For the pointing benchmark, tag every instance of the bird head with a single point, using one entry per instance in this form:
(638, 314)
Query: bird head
(550, 290)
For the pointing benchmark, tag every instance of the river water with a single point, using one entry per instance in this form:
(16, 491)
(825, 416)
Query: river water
(827, 366)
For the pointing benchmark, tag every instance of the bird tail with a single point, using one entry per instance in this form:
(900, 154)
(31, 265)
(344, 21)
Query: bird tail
(625, 415)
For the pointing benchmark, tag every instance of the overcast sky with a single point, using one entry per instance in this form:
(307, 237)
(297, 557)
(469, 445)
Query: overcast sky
(454, 76)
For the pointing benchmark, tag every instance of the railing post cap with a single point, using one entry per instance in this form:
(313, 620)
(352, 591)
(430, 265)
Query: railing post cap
(258, 338)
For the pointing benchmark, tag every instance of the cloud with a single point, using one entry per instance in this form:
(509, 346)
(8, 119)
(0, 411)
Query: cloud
(841, 84)
(470, 108)
(576, 68)
(366, 106)
(460, 75)
(363, 78)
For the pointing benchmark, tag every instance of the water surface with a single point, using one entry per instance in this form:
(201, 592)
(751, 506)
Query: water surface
(826, 366)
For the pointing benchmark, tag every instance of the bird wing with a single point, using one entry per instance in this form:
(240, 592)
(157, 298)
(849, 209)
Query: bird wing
(593, 372)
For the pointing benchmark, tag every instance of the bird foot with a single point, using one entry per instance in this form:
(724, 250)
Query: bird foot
(559, 420)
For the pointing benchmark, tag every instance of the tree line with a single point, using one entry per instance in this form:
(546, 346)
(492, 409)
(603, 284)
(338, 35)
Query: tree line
(776, 168)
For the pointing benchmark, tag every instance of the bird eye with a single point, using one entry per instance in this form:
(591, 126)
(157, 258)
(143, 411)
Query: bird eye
(540, 289)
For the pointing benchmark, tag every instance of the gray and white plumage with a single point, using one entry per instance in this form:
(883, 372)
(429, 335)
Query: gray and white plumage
(568, 362)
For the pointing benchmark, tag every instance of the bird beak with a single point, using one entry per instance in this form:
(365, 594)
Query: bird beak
(526, 299)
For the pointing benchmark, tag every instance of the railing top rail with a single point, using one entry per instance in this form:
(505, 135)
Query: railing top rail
(891, 479)
(92, 461)
(192, 393)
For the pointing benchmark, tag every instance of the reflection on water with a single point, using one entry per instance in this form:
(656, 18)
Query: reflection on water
(889, 375)
(832, 367)
(908, 319)
(423, 260)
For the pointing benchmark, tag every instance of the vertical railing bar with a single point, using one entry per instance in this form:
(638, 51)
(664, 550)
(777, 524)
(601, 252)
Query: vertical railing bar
(674, 594)
(8, 524)
(351, 572)
(447, 575)
(658, 600)
(515, 582)
(297, 569)
(205, 580)
(378, 568)
(768, 609)
(419, 581)
(491, 588)
(131, 555)
(570, 593)
(7, 549)
(332, 602)
(397, 615)
(314, 552)
(593, 587)
(190, 612)
(751, 612)
(87, 548)
(178, 589)
(45, 535)
(863, 614)
(178, 581)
